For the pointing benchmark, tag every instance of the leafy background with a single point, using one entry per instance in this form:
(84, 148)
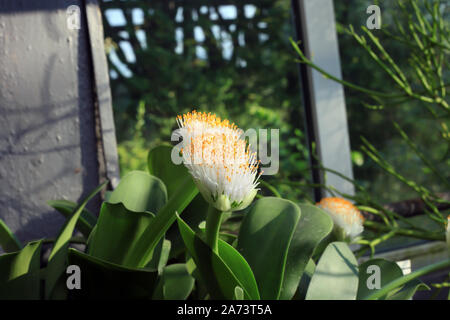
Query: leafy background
(234, 58)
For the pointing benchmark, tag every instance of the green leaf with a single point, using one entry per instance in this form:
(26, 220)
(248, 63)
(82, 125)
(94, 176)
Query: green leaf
(19, 273)
(8, 240)
(194, 213)
(141, 253)
(336, 275)
(118, 230)
(264, 239)
(160, 164)
(101, 279)
(140, 192)
(305, 281)
(175, 284)
(407, 278)
(107, 195)
(160, 256)
(409, 290)
(85, 223)
(313, 227)
(240, 268)
(221, 273)
(388, 271)
(58, 256)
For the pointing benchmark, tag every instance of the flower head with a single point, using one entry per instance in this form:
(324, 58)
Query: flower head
(219, 160)
(348, 221)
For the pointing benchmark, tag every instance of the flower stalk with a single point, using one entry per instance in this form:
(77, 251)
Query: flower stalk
(212, 229)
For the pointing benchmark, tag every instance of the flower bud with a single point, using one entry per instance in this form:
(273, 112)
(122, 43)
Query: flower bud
(348, 220)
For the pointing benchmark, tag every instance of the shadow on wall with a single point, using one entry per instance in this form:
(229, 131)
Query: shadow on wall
(48, 144)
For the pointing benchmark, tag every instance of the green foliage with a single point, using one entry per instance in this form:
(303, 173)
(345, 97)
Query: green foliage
(20, 273)
(399, 114)
(388, 269)
(127, 255)
(397, 97)
(264, 238)
(175, 283)
(335, 276)
(8, 240)
(221, 272)
(255, 86)
(142, 252)
(275, 249)
(117, 230)
(58, 255)
(85, 223)
(160, 164)
(414, 38)
(101, 279)
(313, 227)
(140, 192)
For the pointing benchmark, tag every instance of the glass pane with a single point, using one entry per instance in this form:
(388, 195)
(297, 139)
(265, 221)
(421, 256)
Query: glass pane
(410, 134)
(170, 57)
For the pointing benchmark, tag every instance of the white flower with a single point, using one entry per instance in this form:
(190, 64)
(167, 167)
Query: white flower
(348, 221)
(219, 160)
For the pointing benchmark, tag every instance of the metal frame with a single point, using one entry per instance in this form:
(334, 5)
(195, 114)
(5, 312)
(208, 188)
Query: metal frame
(105, 121)
(324, 102)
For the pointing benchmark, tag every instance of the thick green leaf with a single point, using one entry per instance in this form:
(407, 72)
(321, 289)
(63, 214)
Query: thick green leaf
(161, 165)
(101, 279)
(58, 256)
(221, 273)
(118, 230)
(194, 213)
(19, 273)
(141, 253)
(399, 282)
(336, 275)
(264, 239)
(85, 223)
(409, 290)
(313, 227)
(8, 240)
(389, 271)
(140, 192)
(240, 268)
(305, 281)
(182, 191)
(175, 284)
(160, 256)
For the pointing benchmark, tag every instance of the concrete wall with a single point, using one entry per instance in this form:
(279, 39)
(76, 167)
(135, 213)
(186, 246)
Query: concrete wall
(48, 143)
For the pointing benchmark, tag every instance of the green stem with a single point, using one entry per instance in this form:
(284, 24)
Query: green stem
(404, 232)
(271, 188)
(400, 281)
(213, 221)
